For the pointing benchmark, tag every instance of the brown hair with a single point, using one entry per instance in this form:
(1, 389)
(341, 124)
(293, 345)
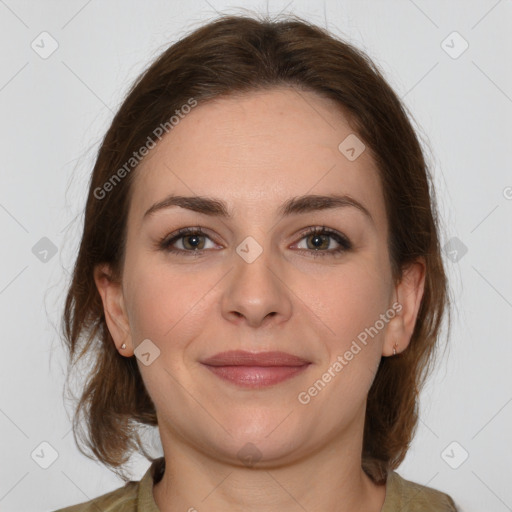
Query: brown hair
(234, 55)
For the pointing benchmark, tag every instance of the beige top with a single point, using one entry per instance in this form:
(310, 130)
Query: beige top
(401, 495)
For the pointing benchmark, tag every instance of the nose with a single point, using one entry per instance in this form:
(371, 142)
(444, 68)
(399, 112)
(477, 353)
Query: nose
(257, 292)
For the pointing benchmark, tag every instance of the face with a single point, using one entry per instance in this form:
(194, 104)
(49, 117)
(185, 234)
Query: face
(257, 278)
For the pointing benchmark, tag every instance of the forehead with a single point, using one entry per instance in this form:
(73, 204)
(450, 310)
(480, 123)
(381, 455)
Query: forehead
(255, 151)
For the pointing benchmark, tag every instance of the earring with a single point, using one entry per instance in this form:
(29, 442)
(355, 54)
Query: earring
(123, 346)
(395, 346)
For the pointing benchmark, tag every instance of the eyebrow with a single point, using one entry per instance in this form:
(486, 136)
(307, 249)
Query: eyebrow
(295, 205)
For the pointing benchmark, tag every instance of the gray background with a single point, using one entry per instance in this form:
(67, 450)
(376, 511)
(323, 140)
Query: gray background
(55, 111)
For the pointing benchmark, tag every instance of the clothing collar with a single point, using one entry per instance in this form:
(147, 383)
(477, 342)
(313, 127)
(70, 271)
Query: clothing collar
(146, 501)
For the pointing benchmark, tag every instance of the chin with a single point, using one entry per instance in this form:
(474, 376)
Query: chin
(264, 443)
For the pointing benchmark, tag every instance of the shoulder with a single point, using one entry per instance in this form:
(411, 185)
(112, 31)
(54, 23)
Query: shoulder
(402, 494)
(133, 497)
(123, 499)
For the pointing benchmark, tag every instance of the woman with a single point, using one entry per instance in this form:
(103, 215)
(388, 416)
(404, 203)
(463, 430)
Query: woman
(260, 277)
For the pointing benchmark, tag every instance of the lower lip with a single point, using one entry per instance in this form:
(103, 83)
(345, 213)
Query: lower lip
(256, 376)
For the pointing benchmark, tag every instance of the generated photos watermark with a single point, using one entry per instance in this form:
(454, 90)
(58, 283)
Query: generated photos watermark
(341, 361)
(101, 192)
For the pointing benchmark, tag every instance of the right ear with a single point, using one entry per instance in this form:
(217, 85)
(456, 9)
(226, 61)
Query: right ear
(113, 305)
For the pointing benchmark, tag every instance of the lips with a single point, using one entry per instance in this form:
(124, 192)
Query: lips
(248, 369)
(242, 358)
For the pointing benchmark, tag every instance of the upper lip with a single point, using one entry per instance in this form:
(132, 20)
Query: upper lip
(243, 358)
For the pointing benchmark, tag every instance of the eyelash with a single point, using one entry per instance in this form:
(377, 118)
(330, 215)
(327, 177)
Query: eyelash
(344, 243)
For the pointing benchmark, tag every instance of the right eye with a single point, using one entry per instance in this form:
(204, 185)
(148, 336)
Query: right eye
(192, 241)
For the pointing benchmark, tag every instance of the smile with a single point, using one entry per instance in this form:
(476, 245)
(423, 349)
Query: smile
(255, 370)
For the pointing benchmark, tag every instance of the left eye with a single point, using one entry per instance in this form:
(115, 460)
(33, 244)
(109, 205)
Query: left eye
(318, 242)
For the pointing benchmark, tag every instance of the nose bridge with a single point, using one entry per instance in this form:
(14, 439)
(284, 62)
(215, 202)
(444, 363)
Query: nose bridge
(255, 289)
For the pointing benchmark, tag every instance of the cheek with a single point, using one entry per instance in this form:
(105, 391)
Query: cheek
(352, 310)
(349, 300)
(359, 316)
(164, 303)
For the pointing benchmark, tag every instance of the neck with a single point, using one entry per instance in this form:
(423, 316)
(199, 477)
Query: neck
(330, 479)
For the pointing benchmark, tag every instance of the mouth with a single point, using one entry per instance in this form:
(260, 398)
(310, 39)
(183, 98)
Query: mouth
(255, 370)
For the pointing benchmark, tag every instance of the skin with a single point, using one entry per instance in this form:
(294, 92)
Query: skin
(254, 152)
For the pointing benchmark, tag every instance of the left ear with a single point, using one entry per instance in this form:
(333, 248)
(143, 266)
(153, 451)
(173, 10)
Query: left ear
(409, 293)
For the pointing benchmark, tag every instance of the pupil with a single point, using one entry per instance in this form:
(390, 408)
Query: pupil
(317, 238)
(195, 240)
